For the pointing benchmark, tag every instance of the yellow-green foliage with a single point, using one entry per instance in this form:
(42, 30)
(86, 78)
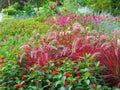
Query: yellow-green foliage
(70, 5)
(18, 32)
(99, 5)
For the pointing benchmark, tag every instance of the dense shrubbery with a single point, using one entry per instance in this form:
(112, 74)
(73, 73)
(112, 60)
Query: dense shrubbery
(11, 10)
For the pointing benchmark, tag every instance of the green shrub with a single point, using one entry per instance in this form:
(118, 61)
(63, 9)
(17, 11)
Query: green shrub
(70, 5)
(11, 10)
(115, 4)
(97, 5)
(16, 32)
(105, 5)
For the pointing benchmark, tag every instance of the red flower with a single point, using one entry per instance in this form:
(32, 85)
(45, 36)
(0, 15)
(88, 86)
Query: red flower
(76, 68)
(23, 78)
(22, 73)
(19, 85)
(28, 67)
(74, 82)
(51, 83)
(16, 37)
(67, 74)
(13, 47)
(1, 84)
(2, 59)
(94, 86)
(78, 73)
(54, 72)
(27, 50)
(66, 82)
(78, 77)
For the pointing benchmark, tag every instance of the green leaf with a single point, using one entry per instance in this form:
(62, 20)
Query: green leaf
(60, 75)
(97, 64)
(79, 88)
(57, 83)
(87, 81)
(70, 79)
(49, 76)
(63, 78)
(69, 87)
(62, 88)
(84, 70)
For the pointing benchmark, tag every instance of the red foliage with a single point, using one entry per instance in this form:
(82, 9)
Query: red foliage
(109, 56)
(61, 45)
(75, 44)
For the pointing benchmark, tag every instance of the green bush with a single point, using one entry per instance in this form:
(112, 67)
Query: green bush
(11, 10)
(112, 6)
(16, 32)
(97, 5)
(70, 5)
(115, 4)
(39, 3)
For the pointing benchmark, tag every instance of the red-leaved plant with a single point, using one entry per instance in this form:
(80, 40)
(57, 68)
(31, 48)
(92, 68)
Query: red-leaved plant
(109, 56)
(75, 44)
(70, 44)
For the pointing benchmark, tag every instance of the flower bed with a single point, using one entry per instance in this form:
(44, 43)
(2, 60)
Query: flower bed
(71, 55)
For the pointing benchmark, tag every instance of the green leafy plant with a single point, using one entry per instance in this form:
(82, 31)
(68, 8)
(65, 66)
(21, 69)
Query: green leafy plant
(70, 6)
(60, 74)
(11, 10)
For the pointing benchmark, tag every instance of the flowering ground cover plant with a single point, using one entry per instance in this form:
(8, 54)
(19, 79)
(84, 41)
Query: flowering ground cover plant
(61, 74)
(67, 75)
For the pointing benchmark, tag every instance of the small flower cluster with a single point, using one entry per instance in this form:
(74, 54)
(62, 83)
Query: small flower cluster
(70, 74)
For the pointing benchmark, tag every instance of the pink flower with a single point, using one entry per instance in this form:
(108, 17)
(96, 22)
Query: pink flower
(116, 18)
(13, 47)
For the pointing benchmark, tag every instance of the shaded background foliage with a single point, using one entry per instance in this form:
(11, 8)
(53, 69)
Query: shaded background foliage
(111, 6)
